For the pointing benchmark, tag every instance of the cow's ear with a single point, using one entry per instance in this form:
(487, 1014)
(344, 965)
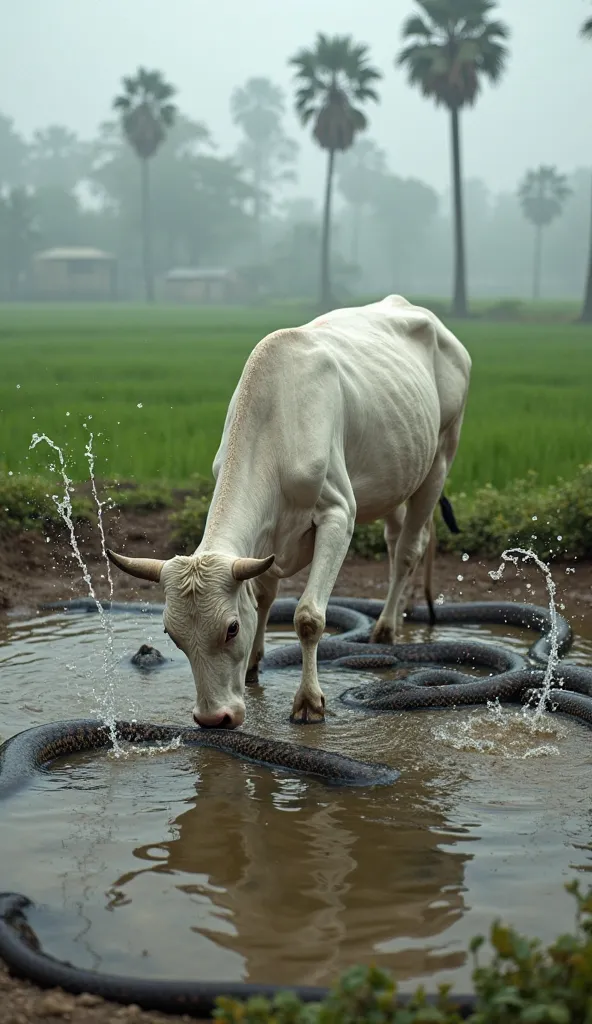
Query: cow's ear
(249, 568)
(142, 568)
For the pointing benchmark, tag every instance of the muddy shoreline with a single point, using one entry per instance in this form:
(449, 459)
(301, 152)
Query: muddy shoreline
(36, 569)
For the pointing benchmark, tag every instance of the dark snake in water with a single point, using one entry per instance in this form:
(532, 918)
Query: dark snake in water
(433, 680)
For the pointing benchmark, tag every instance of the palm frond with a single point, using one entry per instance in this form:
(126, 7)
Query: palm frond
(416, 26)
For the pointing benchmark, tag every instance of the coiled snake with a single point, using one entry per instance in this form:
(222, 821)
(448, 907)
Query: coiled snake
(433, 680)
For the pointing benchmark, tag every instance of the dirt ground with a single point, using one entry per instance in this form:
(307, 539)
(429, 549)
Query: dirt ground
(34, 570)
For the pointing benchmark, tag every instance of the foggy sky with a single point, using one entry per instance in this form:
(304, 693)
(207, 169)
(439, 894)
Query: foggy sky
(62, 61)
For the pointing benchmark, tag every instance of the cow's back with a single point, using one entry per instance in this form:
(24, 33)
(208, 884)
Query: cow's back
(363, 390)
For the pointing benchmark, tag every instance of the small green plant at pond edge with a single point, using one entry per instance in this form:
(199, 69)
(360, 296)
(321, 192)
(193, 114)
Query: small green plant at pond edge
(143, 498)
(556, 521)
(26, 503)
(523, 983)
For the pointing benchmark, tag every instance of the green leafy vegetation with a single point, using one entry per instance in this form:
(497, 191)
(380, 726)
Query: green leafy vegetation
(143, 498)
(555, 520)
(523, 982)
(26, 503)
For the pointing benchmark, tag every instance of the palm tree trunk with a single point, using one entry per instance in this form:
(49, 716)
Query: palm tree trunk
(147, 233)
(538, 252)
(325, 295)
(586, 314)
(459, 301)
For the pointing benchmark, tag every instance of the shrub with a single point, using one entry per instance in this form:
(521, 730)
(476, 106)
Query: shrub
(187, 525)
(523, 983)
(26, 504)
(143, 498)
(368, 540)
(556, 521)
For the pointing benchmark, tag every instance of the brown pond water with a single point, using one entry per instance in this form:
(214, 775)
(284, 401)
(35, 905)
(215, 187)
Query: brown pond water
(191, 864)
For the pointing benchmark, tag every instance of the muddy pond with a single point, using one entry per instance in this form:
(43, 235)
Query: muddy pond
(192, 864)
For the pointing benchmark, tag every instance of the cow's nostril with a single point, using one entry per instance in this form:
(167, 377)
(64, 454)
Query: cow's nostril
(226, 722)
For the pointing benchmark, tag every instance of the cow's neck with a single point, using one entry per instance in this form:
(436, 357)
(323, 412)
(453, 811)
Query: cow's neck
(242, 513)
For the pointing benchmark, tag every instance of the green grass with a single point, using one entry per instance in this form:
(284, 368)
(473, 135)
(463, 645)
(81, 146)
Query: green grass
(528, 409)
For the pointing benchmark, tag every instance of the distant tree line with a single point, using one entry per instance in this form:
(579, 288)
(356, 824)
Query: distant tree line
(154, 189)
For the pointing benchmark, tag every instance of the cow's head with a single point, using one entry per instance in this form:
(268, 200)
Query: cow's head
(211, 615)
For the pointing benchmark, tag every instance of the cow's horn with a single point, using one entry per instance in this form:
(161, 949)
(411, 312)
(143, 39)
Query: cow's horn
(143, 568)
(249, 568)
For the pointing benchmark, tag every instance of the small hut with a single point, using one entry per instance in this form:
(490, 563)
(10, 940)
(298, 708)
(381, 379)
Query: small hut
(84, 274)
(201, 285)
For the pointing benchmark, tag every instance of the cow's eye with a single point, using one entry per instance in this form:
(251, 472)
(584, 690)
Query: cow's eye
(232, 630)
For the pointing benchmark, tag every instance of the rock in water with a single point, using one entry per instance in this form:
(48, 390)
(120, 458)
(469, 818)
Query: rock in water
(148, 657)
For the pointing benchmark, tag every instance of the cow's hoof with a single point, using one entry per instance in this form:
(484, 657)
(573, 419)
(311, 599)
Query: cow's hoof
(306, 713)
(252, 676)
(382, 634)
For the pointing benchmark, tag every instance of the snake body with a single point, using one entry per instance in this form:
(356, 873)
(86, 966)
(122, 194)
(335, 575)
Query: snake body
(31, 752)
(433, 680)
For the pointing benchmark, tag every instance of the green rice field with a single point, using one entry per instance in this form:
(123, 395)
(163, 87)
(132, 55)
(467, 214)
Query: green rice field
(153, 385)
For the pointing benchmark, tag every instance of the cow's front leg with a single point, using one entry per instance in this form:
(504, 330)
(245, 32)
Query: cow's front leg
(266, 588)
(334, 528)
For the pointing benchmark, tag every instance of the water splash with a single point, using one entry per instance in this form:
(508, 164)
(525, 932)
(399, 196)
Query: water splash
(90, 457)
(106, 700)
(498, 732)
(533, 715)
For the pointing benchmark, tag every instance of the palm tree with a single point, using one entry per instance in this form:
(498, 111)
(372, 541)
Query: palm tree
(586, 314)
(453, 46)
(146, 113)
(258, 107)
(542, 195)
(333, 77)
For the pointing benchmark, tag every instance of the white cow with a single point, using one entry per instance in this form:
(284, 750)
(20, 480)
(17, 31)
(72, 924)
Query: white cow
(342, 420)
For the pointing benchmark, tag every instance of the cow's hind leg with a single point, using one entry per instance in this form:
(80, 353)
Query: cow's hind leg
(266, 588)
(334, 528)
(411, 546)
(393, 524)
(415, 533)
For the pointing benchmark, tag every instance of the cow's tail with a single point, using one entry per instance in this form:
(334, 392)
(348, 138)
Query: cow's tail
(448, 515)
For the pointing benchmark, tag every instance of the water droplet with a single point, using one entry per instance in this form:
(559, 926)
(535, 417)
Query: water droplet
(140, 405)
(562, 606)
(529, 586)
(559, 537)
(460, 578)
(570, 570)
(10, 472)
(534, 519)
(47, 540)
(18, 386)
(465, 557)
(67, 414)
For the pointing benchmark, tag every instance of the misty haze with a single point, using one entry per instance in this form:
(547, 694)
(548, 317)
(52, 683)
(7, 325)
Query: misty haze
(392, 218)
